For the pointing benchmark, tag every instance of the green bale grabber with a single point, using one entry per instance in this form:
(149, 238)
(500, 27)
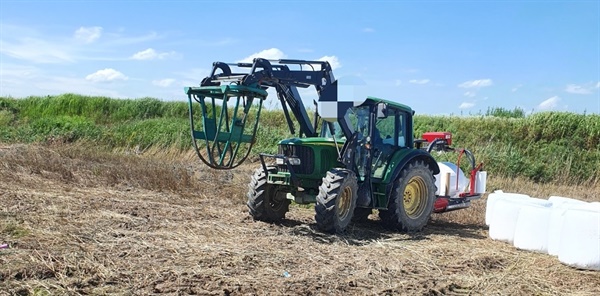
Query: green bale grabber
(229, 119)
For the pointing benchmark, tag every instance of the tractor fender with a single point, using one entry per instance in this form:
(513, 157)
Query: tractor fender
(401, 159)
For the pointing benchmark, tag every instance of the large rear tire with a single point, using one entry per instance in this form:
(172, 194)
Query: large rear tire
(336, 200)
(265, 202)
(412, 199)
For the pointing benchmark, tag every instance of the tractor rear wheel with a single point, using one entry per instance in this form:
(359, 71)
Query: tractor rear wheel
(412, 198)
(265, 202)
(336, 200)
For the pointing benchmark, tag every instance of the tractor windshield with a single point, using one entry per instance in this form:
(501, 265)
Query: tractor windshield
(358, 119)
(391, 128)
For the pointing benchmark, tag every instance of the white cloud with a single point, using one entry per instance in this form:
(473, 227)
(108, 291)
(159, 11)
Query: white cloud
(549, 104)
(22, 81)
(368, 30)
(18, 71)
(15, 80)
(37, 50)
(419, 81)
(411, 70)
(577, 89)
(333, 61)
(151, 54)
(517, 87)
(191, 77)
(476, 83)
(118, 39)
(106, 75)
(269, 54)
(583, 89)
(466, 105)
(61, 85)
(398, 82)
(43, 46)
(470, 94)
(163, 82)
(147, 54)
(88, 34)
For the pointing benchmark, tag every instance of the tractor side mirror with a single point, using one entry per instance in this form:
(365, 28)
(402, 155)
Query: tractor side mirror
(382, 111)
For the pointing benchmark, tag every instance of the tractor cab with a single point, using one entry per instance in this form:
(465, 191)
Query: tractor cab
(380, 128)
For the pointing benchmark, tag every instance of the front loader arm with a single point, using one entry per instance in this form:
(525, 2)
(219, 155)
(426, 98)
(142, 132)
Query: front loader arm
(223, 83)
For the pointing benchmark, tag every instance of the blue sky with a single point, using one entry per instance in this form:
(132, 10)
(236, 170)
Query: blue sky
(439, 57)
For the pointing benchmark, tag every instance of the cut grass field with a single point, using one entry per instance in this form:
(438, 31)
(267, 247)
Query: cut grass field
(80, 220)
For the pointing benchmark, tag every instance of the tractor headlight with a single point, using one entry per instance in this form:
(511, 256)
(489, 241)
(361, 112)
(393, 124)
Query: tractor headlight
(292, 161)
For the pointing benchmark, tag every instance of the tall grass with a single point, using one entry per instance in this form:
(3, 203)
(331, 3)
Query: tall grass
(543, 147)
(546, 147)
(99, 109)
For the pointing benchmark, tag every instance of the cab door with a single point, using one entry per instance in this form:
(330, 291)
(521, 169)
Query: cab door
(388, 136)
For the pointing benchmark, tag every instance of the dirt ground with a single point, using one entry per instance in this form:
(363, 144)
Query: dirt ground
(83, 222)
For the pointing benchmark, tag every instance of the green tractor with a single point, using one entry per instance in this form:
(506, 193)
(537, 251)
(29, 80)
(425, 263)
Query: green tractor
(364, 156)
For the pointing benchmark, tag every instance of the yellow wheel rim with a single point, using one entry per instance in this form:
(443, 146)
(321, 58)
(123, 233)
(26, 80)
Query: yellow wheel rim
(415, 197)
(344, 202)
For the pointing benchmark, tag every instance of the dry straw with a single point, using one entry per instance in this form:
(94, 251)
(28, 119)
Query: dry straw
(83, 221)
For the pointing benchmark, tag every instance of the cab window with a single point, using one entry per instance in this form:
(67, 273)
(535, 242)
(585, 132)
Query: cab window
(391, 129)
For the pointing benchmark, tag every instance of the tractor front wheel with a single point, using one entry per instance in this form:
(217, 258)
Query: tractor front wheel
(336, 200)
(265, 202)
(412, 199)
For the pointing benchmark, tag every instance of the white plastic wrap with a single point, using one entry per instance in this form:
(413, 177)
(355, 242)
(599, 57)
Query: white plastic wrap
(494, 197)
(580, 238)
(531, 231)
(559, 206)
(505, 215)
(560, 200)
(481, 182)
(441, 180)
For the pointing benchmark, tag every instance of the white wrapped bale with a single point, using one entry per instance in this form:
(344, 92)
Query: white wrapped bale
(457, 182)
(559, 206)
(531, 231)
(505, 215)
(494, 197)
(560, 200)
(580, 238)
